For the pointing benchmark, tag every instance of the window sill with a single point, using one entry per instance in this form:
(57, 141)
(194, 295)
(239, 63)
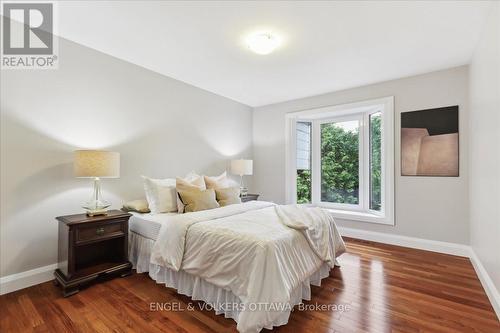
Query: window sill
(359, 216)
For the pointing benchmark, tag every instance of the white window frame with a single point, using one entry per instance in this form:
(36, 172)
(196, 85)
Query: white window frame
(360, 111)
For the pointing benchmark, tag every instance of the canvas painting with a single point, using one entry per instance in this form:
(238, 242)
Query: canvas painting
(429, 142)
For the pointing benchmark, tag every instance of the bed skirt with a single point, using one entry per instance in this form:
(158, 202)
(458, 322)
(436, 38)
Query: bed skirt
(198, 289)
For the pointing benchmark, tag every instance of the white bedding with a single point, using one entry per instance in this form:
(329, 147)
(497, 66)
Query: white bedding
(148, 225)
(201, 290)
(247, 249)
(316, 226)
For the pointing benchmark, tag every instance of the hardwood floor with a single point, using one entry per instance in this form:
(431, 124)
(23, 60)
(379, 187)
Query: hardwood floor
(384, 288)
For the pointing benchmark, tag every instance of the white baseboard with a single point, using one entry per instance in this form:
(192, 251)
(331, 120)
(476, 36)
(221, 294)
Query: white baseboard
(488, 285)
(434, 246)
(26, 279)
(412, 242)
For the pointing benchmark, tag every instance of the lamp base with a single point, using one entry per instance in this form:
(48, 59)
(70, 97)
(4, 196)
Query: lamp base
(96, 205)
(243, 191)
(97, 212)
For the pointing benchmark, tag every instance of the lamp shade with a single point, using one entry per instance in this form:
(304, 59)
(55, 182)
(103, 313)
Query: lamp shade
(242, 167)
(96, 163)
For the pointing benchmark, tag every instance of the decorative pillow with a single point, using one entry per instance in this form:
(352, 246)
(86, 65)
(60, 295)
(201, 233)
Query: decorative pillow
(195, 199)
(228, 196)
(192, 180)
(160, 194)
(140, 206)
(216, 182)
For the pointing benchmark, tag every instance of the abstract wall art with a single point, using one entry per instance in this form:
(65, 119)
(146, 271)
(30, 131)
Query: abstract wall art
(429, 142)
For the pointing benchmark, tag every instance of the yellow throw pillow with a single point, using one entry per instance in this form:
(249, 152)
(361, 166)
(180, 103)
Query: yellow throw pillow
(195, 199)
(140, 206)
(228, 196)
(191, 181)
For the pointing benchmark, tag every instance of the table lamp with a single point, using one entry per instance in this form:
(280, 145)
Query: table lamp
(242, 167)
(96, 164)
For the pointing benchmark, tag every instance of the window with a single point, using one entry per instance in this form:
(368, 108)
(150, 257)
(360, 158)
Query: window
(341, 158)
(303, 162)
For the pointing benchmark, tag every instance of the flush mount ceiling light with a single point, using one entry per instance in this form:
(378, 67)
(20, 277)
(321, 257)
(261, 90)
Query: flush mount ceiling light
(262, 43)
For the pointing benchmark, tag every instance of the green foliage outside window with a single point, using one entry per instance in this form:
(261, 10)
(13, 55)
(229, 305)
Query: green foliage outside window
(375, 162)
(340, 166)
(303, 186)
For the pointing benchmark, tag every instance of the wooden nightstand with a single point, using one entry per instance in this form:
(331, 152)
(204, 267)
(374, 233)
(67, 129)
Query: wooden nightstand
(90, 247)
(249, 197)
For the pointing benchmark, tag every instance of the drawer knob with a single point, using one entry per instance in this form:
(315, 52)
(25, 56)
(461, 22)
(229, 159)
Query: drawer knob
(99, 231)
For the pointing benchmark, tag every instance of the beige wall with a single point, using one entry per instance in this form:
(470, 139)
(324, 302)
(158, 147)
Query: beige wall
(485, 148)
(426, 207)
(161, 127)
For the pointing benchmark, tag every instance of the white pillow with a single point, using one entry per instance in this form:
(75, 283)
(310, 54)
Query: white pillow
(191, 179)
(160, 194)
(195, 179)
(217, 182)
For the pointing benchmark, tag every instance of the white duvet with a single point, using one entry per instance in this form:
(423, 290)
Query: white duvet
(258, 250)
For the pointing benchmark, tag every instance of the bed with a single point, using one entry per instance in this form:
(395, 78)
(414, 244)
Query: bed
(251, 262)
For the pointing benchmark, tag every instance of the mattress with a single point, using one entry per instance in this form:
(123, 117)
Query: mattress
(148, 225)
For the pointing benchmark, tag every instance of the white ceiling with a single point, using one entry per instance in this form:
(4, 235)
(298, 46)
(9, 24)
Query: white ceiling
(328, 46)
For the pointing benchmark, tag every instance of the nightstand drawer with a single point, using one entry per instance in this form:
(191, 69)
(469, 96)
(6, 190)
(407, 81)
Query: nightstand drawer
(100, 231)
